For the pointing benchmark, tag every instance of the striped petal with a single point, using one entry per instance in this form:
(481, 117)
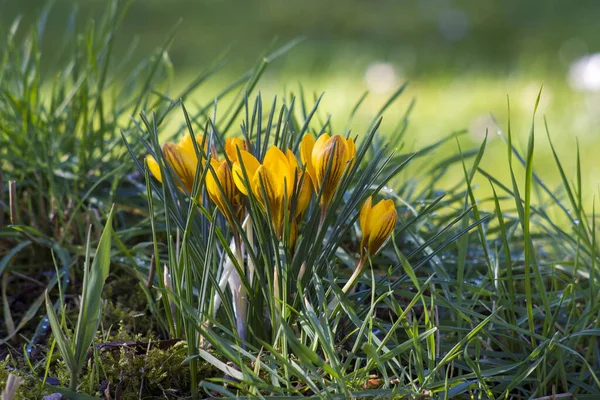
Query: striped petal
(264, 184)
(317, 152)
(331, 158)
(382, 220)
(182, 163)
(304, 194)
(365, 211)
(229, 194)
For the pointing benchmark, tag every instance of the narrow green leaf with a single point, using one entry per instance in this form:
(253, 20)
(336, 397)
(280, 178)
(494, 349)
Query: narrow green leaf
(94, 278)
(64, 344)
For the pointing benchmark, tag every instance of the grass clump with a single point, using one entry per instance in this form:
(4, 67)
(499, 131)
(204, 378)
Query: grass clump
(59, 150)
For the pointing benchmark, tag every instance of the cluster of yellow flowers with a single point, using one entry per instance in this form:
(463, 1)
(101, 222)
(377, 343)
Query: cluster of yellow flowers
(282, 186)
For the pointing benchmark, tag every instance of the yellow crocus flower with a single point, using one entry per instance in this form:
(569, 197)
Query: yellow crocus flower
(281, 177)
(377, 223)
(318, 155)
(181, 157)
(230, 193)
(222, 174)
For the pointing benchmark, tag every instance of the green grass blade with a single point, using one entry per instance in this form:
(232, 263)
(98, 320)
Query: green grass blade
(94, 278)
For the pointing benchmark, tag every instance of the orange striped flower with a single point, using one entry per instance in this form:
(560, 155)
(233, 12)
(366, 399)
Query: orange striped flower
(222, 175)
(182, 159)
(282, 180)
(326, 159)
(377, 224)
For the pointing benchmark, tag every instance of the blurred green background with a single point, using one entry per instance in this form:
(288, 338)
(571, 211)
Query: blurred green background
(462, 59)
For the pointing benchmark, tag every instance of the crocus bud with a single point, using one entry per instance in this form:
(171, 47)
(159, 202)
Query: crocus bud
(182, 159)
(326, 161)
(227, 192)
(377, 223)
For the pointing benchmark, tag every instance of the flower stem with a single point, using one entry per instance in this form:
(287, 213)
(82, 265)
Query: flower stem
(238, 291)
(334, 305)
(358, 270)
(250, 236)
(323, 215)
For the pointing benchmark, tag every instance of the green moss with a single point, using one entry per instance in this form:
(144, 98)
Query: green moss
(127, 305)
(122, 360)
(157, 370)
(131, 320)
(125, 363)
(125, 290)
(29, 388)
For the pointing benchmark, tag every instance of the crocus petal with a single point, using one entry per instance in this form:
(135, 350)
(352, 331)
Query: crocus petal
(304, 194)
(306, 150)
(331, 162)
(264, 179)
(250, 164)
(231, 146)
(222, 173)
(214, 178)
(277, 163)
(318, 149)
(292, 175)
(275, 158)
(365, 211)
(226, 179)
(351, 151)
(211, 180)
(187, 144)
(375, 214)
(292, 161)
(182, 163)
(153, 167)
(382, 220)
